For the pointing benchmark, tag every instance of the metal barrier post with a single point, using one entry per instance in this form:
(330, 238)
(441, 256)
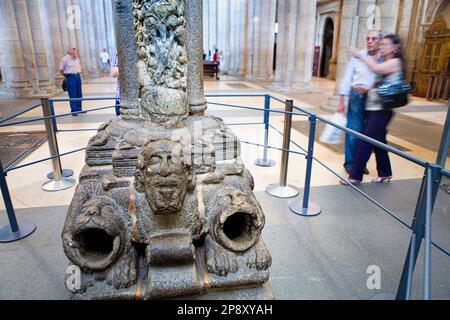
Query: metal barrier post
(427, 264)
(264, 162)
(282, 190)
(59, 182)
(427, 197)
(307, 208)
(64, 172)
(52, 112)
(15, 231)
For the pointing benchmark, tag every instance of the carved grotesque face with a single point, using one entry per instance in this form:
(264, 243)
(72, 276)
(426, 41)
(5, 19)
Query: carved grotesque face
(163, 176)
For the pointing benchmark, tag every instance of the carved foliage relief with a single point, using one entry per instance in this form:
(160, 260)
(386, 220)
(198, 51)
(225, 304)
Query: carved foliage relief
(162, 58)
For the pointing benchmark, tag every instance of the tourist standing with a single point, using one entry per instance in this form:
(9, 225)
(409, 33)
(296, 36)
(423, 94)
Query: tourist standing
(216, 60)
(104, 59)
(70, 68)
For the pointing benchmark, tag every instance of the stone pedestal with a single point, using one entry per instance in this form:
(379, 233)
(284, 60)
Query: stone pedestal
(165, 207)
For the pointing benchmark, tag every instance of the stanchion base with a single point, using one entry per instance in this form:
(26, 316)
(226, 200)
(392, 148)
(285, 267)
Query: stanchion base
(65, 174)
(282, 191)
(265, 163)
(64, 183)
(25, 229)
(383, 296)
(312, 210)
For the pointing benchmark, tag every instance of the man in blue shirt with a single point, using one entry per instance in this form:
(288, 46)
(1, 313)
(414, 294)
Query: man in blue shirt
(355, 83)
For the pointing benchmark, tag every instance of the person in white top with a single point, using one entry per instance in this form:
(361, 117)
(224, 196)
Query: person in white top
(391, 71)
(104, 59)
(355, 83)
(70, 68)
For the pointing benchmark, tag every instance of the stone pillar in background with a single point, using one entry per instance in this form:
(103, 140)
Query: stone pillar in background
(71, 23)
(286, 46)
(92, 42)
(222, 33)
(12, 61)
(206, 24)
(110, 28)
(100, 27)
(305, 44)
(126, 48)
(228, 41)
(52, 36)
(281, 42)
(194, 17)
(210, 29)
(389, 10)
(249, 59)
(231, 60)
(214, 30)
(350, 10)
(264, 39)
(243, 47)
(45, 87)
(26, 39)
(62, 18)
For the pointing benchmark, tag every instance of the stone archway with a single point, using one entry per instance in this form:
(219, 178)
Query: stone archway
(327, 47)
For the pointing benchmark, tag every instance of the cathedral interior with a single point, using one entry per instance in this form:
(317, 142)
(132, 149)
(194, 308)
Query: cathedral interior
(270, 52)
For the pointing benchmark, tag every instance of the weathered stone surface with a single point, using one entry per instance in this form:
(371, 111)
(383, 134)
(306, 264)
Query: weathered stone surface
(164, 207)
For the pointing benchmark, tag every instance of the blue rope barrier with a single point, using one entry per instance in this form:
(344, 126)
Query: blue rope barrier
(42, 160)
(52, 117)
(275, 148)
(386, 210)
(19, 113)
(445, 172)
(350, 184)
(244, 123)
(232, 95)
(256, 109)
(82, 99)
(374, 142)
(77, 130)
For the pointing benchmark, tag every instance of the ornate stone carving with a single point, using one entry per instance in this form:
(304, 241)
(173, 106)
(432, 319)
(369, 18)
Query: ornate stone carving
(165, 206)
(161, 41)
(164, 175)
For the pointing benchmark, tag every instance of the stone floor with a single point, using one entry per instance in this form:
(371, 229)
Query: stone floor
(323, 257)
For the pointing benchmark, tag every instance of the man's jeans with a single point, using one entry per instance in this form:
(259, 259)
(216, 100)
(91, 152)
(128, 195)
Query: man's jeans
(73, 82)
(355, 121)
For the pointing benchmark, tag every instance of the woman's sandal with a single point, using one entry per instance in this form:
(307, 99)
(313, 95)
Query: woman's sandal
(382, 179)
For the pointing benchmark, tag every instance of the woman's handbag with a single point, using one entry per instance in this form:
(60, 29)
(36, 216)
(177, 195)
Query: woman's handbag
(394, 95)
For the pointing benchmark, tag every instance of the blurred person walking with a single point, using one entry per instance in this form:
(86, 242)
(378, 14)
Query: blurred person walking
(355, 83)
(392, 72)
